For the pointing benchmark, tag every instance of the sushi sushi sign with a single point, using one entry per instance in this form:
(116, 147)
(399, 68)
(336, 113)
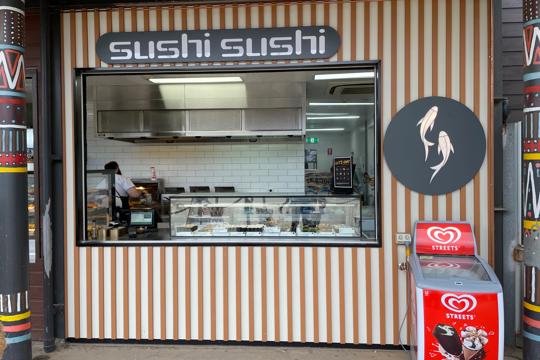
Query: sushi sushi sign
(287, 43)
(461, 325)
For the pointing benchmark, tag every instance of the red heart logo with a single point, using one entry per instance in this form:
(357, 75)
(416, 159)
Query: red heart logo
(444, 236)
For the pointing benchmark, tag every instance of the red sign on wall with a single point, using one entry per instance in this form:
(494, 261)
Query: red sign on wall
(462, 326)
(444, 239)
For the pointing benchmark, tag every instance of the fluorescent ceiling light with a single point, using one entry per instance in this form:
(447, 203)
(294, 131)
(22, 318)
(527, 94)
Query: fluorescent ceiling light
(355, 75)
(333, 117)
(199, 80)
(339, 104)
(324, 114)
(326, 129)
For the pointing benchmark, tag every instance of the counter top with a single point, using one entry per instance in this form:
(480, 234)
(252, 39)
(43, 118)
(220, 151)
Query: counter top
(241, 195)
(159, 235)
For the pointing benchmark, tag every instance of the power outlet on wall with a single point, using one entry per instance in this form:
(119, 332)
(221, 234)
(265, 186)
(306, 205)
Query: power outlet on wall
(403, 239)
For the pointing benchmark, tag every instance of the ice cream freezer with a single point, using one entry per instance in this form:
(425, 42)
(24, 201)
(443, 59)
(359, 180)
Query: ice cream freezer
(456, 302)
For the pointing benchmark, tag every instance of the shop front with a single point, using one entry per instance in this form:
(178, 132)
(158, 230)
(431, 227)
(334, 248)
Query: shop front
(249, 199)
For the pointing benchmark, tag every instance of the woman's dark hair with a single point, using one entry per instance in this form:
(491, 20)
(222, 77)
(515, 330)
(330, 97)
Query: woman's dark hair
(113, 165)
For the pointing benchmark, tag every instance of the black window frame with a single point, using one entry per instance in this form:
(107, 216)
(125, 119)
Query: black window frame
(79, 111)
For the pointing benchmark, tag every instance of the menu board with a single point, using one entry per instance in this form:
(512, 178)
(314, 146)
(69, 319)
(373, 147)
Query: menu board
(343, 172)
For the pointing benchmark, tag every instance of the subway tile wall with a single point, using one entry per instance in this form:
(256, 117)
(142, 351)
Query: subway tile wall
(278, 167)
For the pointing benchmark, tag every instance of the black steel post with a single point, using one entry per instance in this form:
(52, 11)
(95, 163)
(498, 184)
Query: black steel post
(14, 299)
(530, 138)
(45, 167)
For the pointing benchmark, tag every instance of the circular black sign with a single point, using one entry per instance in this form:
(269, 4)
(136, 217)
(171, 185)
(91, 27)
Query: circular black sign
(434, 145)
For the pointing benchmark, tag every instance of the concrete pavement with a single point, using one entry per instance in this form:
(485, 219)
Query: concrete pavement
(213, 352)
(209, 352)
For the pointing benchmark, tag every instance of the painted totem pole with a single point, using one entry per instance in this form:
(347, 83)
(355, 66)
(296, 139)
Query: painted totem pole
(14, 298)
(530, 137)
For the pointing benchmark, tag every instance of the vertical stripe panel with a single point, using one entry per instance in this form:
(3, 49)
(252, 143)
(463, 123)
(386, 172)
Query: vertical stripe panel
(212, 295)
(220, 324)
(170, 298)
(144, 294)
(251, 295)
(105, 315)
(302, 293)
(84, 286)
(285, 294)
(207, 297)
(133, 294)
(347, 325)
(226, 293)
(93, 276)
(194, 292)
(295, 296)
(281, 263)
(182, 294)
(271, 289)
(232, 294)
(118, 301)
(264, 295)
(309, 298)
(244, 289)
(257, 294)
(187, 293)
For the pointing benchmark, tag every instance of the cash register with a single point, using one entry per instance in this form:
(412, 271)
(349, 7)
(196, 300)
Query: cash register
(141, 221)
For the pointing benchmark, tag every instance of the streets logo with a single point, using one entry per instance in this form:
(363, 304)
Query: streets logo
(458, 305)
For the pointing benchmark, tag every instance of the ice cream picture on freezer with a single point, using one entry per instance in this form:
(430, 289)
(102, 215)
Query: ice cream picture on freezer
(469, 344)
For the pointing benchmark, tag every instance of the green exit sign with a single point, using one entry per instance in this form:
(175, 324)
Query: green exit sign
(312, 140)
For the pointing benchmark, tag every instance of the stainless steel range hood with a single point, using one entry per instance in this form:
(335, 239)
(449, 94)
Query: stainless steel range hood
(198, 112)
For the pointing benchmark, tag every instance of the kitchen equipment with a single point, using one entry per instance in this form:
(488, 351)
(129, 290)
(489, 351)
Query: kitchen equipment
(199, 189)
(143, 218)
(199, 112)
(116, 232)
(152, 187)
(221, 189)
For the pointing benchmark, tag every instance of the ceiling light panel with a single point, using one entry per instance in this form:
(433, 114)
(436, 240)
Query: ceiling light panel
(344, 76)
(340, 104)
(344, 117)
(199, 80)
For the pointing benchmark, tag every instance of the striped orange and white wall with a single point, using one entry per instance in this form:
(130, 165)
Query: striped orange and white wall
(286, 294)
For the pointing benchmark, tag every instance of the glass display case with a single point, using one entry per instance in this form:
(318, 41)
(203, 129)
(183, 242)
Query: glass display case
(99, 202)
(277, 217)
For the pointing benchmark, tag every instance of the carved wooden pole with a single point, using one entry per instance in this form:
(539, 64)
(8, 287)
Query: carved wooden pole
(531, 180)
(14, 309)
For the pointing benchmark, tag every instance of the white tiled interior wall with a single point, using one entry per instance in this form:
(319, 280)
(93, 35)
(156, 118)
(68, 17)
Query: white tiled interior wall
(248, 167)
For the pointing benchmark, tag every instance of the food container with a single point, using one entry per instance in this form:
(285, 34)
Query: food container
(186, 228)
(272, 229)
(102, 233)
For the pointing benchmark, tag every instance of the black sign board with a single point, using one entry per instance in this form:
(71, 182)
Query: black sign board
(434, 145)
(343, 172)
(291, 43)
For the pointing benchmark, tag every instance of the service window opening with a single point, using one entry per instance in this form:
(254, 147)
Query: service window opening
(284, 156)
